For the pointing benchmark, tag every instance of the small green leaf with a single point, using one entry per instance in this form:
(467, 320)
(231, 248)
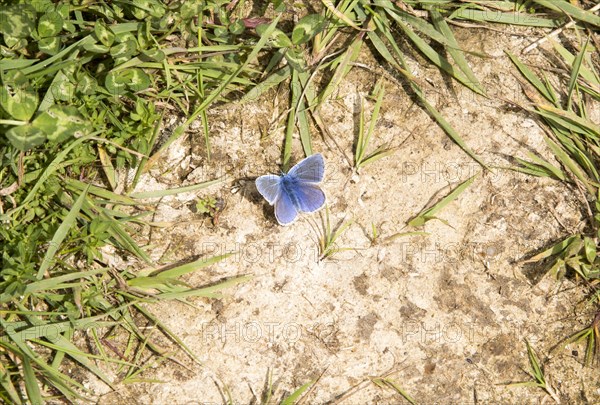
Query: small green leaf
(104, 33)
(50, 45)
(307, 28)
(138, 80)
(96, 48)
(189, 9)
(296, 60)
(50, 24)
(61, 88)
(155, 55)
(590, 249)
(124, 50)
(237, 27)
(278, 37)
(60, 122)
(134, 79)
(63, 10)
(14, 42)
(25, 137)
(86, 84)
(18, 102)
(17, 20)
(116, 83)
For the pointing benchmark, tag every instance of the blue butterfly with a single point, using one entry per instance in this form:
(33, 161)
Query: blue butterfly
(295, 191)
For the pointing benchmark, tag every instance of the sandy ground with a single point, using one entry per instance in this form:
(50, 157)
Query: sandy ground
(445, 315)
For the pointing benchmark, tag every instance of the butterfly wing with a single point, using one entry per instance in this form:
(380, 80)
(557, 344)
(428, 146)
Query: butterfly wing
(309, 170)
(269, 186)
(285, 210)
(309, 196)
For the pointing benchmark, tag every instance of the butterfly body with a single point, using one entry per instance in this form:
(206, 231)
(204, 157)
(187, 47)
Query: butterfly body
(295, 191)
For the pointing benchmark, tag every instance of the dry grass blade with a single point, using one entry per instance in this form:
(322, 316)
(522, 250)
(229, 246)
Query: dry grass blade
(341, 14)
(173, 191)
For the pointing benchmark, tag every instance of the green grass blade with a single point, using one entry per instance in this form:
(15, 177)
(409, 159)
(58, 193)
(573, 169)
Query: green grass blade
(445, 125)
(573, 167)
(455, 50)
(571, 10)
(213, 291)
(141, 167)
(360, 142)
(554, 250)
(27, 353)
(439, 60)
(167, 331)
(585, 72)
(123, 238)
(265, 37)
(50, 170)
(533, 79)
(54, 282)
(271, 81)
(189, 267)
(302, 115)
(403, 234)
(535, 365)
(568, 120)
(540, 168)
(343, 67)
(31, 384)
(341, 14)
(295, 396)
(387, 383)
(427, 214)
(403, 69)
(516, 18)
(61, 234)
(376, 41)
(575, 73)
(379, 93)
(107, 167)
(108, 195)
(8, 387)
(58, 342)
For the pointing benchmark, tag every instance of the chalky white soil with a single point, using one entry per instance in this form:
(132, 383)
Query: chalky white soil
(445, 315)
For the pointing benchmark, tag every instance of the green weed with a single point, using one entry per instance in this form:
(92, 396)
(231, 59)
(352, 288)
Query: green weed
(538, 375)
(328, 235)
(361, 157)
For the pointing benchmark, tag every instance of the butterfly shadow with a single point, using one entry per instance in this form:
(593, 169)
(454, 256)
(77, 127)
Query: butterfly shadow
(245, 187)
